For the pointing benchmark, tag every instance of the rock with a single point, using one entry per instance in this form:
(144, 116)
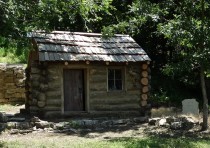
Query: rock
(34, 128)
(59, 126)
(140, 119)
(153, 121)
(188, 119)
(176, 125)
(119, 121)
(9, 80)
(90, 122)
(3, 66)
(188, 122)
(3, 126)
(169, 120)
(69, 131)
(17, 131)
(40, 130)
(76, 123)
(35, 119)
(3, 117)
(42, 124)
(23, 125)
(18, 125)
(73, 130)
(11, 125)
(14, 131)
(25, 131)
(162, 122)
(99, 129)
(12, 80)
(106, 123)
(48, 129)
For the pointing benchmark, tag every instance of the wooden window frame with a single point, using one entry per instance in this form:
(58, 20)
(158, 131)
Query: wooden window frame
(123, 74)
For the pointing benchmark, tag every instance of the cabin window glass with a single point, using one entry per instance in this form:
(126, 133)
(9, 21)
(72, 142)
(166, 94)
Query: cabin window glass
(115, 79)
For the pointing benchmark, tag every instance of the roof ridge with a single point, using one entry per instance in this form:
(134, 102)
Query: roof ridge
(30, 34)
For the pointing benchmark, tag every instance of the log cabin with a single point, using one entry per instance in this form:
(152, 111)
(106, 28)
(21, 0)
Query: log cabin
(75, 73)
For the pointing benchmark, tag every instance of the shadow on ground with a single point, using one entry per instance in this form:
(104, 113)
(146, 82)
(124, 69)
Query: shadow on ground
(103, 127)
(157, 142)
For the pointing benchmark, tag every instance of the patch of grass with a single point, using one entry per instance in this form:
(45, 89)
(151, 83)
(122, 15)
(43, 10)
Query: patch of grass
(13, 51)
(9, 56)
(154, 142)
(80, 142)
(63, 141)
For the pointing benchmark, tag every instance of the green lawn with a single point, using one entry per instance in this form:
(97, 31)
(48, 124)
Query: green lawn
(81, 142)
(152, 142)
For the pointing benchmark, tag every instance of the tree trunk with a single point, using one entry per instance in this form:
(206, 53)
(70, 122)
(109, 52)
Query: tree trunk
(202, 75)
(205, 100)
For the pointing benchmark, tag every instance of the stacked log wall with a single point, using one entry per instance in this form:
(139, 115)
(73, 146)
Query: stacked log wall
(127, 99)
(44, 91)
(145, 89)
(12, 83)
(54, 93)
(45, 94)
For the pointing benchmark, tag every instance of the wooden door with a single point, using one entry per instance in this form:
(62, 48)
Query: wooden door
(74, 90)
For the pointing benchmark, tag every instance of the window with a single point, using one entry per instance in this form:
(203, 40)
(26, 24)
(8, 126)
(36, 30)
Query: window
(115, 79)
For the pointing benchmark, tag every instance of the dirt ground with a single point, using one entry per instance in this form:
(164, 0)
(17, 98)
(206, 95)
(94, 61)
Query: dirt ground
(139, 130)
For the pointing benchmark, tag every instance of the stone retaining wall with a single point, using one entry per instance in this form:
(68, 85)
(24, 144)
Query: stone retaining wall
(12, 83)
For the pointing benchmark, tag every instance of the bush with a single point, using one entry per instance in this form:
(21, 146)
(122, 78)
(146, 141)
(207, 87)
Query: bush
(12, 52)
(167, 91)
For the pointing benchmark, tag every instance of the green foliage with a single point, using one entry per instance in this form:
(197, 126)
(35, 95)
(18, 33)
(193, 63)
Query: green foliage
(137, 14)
(160, 97)
(22, 16)
(74, 124)
(181, 72)
(170, 92)
(170, 31)
(189, 30)
(12, 52)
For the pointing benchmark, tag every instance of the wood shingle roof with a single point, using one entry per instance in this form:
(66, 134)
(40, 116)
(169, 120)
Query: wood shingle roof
(78, 46)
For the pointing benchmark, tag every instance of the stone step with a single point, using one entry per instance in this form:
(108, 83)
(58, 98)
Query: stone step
(18, 125)
(17, 119)
(9, 115)
(108, 121)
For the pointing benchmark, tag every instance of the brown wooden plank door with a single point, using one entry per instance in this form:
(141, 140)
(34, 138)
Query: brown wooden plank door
(74, 90)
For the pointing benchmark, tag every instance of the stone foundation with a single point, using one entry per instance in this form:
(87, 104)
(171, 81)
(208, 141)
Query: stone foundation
(12, 83)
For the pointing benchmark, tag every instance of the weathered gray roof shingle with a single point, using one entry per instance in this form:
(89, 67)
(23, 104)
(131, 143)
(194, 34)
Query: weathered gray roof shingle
(78, 46)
